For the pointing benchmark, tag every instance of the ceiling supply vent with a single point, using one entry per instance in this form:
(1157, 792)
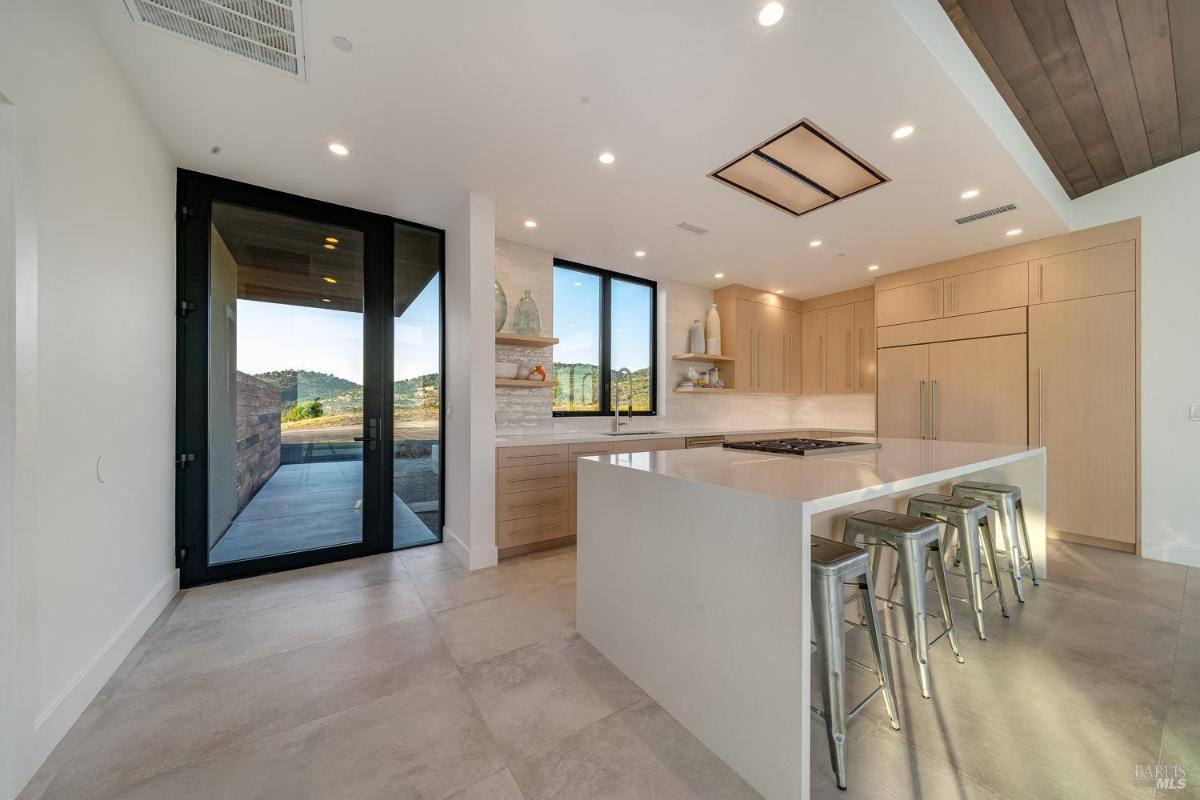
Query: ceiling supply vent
(690, 228)
(799, 170)
(991, 212)
(263, 31)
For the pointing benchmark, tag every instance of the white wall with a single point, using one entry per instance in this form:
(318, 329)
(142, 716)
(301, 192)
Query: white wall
(94, 369)
(1168, 201)
(470, 527)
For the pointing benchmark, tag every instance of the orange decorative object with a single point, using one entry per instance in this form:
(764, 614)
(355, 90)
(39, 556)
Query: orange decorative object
(538, 371)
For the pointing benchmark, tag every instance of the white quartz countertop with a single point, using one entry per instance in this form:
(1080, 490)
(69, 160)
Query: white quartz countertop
(666, 431)
(832, 479)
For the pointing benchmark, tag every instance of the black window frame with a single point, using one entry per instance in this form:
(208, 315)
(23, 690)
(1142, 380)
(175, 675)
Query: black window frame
(606, 277)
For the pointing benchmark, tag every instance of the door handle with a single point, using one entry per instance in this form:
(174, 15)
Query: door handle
(933, 410)
(1039, 424)
(372, 436)
(849, 358)
(921, 412)
(1040, 274)
(821, 351)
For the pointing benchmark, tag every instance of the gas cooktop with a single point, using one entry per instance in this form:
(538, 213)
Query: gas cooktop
(802, 447)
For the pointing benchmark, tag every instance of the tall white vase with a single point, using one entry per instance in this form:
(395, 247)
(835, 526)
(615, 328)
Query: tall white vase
(696, 338)
(712, 329)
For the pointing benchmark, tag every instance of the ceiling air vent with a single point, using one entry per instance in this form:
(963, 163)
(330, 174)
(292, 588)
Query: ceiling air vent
(799, 170)
(690, 228)
(263, 31)
(991, 212)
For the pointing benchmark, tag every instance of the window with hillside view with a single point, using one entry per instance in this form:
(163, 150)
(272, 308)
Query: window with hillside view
(605, 323)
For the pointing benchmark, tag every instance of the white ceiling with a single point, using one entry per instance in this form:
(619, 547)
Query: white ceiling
(515, 99)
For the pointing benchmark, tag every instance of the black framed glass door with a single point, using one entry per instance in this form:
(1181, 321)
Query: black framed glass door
(301, 326)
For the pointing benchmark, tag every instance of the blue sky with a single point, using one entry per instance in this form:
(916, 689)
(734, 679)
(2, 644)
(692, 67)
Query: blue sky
(577, 320)
(274, 336)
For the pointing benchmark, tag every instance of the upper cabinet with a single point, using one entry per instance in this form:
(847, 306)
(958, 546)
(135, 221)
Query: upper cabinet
(864, 346)
(1083, 273)
(987, 290)
(816, 346)
(764, 338)
(920, 301)
(839, 374)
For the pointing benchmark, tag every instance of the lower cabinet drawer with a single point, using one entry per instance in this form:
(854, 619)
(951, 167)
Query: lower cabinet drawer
(531, 529)
(519, 505)
(527, 479)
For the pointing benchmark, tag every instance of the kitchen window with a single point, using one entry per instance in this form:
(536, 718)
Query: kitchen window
(606, 356)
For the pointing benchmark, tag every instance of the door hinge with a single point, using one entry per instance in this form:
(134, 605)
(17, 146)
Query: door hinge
(183, 459)
(184, 214)
(184, 308)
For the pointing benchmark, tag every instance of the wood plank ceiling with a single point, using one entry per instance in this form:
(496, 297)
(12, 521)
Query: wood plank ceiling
(1105, 88)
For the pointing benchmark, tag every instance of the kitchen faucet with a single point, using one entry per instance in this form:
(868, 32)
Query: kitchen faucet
(617, 400)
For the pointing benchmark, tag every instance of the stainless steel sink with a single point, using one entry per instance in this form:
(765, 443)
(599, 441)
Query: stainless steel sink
(632, 433)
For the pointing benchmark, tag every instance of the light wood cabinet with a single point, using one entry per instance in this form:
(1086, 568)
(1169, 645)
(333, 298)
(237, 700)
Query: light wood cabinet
(987, 290)
(977, 390)
(840, 356)
(901, 393)
(770, 366)
(813, 339)
(920, 301)
(864, 346)
(793, 352)
(1109, 269)
(1082, 400)
(744, 349)
(972, 390)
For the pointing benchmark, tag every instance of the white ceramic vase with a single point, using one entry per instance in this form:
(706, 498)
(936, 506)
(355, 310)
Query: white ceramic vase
(696, 338)
(712, 326)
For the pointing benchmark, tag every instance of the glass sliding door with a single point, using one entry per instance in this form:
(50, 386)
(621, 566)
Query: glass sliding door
(301, 324)
(417, 381)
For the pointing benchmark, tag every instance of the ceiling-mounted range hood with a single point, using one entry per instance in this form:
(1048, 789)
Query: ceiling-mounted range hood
(799, 170)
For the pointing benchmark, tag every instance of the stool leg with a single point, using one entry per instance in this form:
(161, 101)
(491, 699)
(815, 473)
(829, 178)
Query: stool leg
(989, 554)
(912, 580)
(1007, 516)
(939, 575)
(968, 541)
(1025, 538)
(883, 664)
(829, 632)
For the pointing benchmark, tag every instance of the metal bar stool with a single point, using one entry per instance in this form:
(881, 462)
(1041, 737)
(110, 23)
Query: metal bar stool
(915, 540)
(834, 565)
(1005, 500)
(966, 520)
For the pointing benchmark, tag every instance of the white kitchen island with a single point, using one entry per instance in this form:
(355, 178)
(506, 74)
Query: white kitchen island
(693, 576)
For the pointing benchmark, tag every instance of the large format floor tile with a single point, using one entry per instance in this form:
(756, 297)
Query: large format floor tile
(406, 676)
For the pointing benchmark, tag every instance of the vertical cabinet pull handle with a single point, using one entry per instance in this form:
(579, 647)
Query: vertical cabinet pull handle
(1040, 284)
(921, 412)
(821, 348)
(1039, 423)
(933, 298)
(933, 428)
(849, 359)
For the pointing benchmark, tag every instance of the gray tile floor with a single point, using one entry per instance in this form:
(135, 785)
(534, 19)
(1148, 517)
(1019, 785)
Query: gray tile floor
(406, 676)
(310, 506)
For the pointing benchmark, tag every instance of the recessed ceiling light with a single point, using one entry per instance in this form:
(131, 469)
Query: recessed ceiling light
(343, 44)
(903, 131)
(769, 14)
(331, 240)
(329, 280)
(339, 149)
(1013, 232)
(969, 194)
(330, 246)
(530, 223)
(640, 253)
(719, 275)
(779, 291)
(872, 268)
(326, 300)
(815, 243)
(607, 158)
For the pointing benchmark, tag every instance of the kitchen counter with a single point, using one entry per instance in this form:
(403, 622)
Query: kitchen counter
(665, 432)
(693, 576)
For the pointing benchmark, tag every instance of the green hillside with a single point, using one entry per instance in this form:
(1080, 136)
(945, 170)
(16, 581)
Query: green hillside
(341, 396)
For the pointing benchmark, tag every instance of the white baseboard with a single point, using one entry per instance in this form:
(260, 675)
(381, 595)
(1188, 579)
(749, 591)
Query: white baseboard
(471, 558)
(52, 724)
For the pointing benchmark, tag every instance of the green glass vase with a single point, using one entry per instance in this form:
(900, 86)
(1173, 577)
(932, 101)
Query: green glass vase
(526, 320)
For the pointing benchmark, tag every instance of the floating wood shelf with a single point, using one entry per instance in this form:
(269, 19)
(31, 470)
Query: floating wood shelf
(509, 383)
(702, 357)
(704, 391)
(525, 341)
